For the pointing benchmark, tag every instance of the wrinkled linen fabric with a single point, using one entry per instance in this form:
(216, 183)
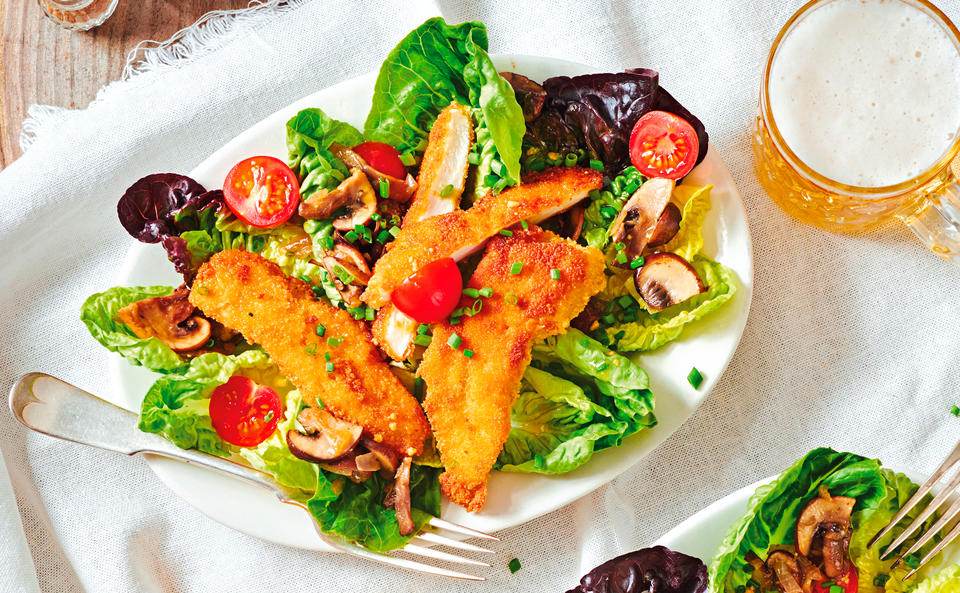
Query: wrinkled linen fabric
(851, 342)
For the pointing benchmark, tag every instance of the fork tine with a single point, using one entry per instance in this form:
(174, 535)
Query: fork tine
(936, 550)
(917, 523)
(435, 538)
(355, 550)
(441, 524)
(950, 461)
(440, 555)
(942, 522)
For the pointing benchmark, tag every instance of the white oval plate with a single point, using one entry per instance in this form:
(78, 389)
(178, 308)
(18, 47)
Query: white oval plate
(701, 534)
(513, 498)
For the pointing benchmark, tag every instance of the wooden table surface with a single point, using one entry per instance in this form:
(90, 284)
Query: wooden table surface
(42, 63)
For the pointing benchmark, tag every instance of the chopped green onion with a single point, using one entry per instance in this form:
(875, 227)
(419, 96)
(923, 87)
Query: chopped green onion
(454, 341)
(370, 314)
(328, 243)
(384, 188)
(351, 236)
(490, 180)
(454, 321)
(636, 263)
(695, 378)
(311, 226)
(537, 166)
(419, 388)
(357, 313)
(359, 228)
(383, 236)
(621, 258)
(570, 160)
(955, 410)
(473, 158)
(422, 329)
(311, 348)
(329, 367)
(446, 191)
(342, 273)
(836, 589)
(471, 292)
(608, 319)
(477, 306)
(828, 584)
(524, 225)
(628, 317)
(619, 246)
(422, 340)
(516, 268)
(555, 274)
(306, 279)
(608, 212)
(486, 292)
(514, 565)
(375, 216)
(334, 342)
(596, 165)
(506, 233)
(458, 312)
(497, 167)
(913, 561)
(468, 353)
(510, 298)
(321, 329)
(625, 301)
(394, 230)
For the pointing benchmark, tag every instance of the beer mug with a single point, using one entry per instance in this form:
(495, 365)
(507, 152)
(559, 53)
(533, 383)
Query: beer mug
(859, 118)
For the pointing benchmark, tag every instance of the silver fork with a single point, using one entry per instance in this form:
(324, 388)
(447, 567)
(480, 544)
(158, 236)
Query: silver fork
(943, 496)
(54, 407)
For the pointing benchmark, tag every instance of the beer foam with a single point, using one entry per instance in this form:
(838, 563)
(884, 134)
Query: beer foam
(867, 92)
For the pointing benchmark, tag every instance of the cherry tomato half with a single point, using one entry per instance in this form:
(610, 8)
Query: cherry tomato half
(382, 157)
(244, 413)
(262, 191)
(849, 581)
(431, 293)
(663, 145)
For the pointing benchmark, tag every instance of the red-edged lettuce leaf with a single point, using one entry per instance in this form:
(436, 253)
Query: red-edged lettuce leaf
(656, 569)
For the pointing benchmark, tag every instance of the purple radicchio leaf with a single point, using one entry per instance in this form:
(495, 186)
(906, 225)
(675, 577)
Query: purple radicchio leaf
(653, 570)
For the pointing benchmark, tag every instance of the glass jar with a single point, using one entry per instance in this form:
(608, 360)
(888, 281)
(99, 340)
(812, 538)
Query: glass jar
(78, 15)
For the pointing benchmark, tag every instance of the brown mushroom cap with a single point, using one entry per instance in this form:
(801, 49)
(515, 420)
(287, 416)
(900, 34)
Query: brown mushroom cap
(388, 458)
(170, 318)
(638, 218)
(327, 438)
(398, 498)
(666, 279)
(349, 271)
(821, 511)
(667, 226)
(400, 190)
(836, 542)
(786, 571)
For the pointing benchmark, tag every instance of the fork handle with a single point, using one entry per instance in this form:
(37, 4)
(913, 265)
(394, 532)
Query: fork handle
(56, 408)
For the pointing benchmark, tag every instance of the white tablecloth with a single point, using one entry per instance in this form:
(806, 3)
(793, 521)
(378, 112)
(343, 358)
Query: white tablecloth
(852, 340)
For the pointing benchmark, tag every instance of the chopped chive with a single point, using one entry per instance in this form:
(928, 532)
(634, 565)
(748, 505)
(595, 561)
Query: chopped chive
(268, 417)
(524, 225)
(510, 298)
(596, 165)
(394, 230)
(311, 348)
(306, 279)
(836, 589)
(422, 329)
(912, 561)
(828, 584)
(357, 313)
(359, 228)
(473, 158)
(468, 353)
(695, 378)
(311, 226)
(408, 159)
(326, 356)
(454, 321)
(516, 268)
(585, 342)
(538, 166)
(446, 191)
(370, 314)
(383, 236)
(608, 212)
(506, 233)
(570, 160)
(486, 292)
(955, 410)
(419, 388)
(329, 367)
(477, 307)
(609, 319)
(621, 258)
(497, 167)
(342, 273)
(422, 340)
(351, 236)
(625, 301)
(384, 188)
(458, 312)
(628, 317)
(321, 329)
(471, 292)
(514, 565)
(619, 246)
(328, 243)
(334, 342)
(555, 274)
(454, 341)
(636, 263)
(490, 180)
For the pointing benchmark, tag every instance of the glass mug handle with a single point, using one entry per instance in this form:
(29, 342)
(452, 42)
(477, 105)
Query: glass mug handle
(937, 220)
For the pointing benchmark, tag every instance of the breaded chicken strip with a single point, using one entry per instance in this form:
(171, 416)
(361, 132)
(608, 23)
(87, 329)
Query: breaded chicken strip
(468, 400)
(252, 295)
(462, 232)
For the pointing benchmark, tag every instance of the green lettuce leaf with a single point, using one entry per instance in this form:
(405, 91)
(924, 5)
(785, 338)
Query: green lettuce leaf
(688, 241)
(653, 330)
(275, 249)
(576, 399)
(356, 511)
(309, 136)
(438, 63)
(946, 581)
(99, 314)
(774, 508)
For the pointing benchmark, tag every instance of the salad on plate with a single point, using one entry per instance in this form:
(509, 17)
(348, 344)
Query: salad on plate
(383, 316)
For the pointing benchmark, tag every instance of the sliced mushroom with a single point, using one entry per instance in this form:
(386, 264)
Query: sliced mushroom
(571, 223)
(809, 574)
(820, 512)
(530, 95)
(400, 190)
(361, 205)
(388, 458)
(367, 462)
(349, 271)
(398, 498)
(638, 218)
(347, 466)
(170, 318)
(327, 438)
(353, 190)
(836, 542)
(666, 279)
(667, 226)
(785, 570)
